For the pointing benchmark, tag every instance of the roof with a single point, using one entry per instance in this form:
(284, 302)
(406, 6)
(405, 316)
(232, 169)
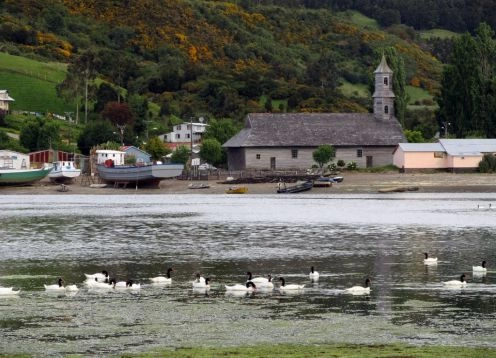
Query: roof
(126, 148)
(314, 129)
(4, 96)
(109, 151)
(468, 147)
(383, 66)
(421, 147)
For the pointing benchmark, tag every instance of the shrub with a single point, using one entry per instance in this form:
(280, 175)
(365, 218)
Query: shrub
(351, 165)
(341, 163)
(130, 159)
(487, 164)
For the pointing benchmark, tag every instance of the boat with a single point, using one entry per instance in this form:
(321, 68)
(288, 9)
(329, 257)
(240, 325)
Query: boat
(198, 186)
(297, 188)
(323, 182)
(237, 190)
(138, 175)
(64, 172)
(22, 176)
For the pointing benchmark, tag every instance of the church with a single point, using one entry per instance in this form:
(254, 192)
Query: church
(286, 141)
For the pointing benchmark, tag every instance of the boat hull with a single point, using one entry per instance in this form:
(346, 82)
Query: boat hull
(298, 188)
(237, 190)
(147, 175)
(22, 176)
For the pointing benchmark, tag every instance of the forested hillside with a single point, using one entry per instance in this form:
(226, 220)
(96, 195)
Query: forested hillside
(173, 60)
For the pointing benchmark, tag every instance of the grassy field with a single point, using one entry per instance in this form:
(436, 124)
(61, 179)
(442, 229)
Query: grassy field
(360, 19)
(434, 33)
(354, 90)
(32, 84)
(348, 351)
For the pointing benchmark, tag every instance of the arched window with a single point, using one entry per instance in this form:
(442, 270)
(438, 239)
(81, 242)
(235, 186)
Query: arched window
(385, 81)
(386, 109)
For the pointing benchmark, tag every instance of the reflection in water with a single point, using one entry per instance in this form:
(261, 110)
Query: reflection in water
(346, 238)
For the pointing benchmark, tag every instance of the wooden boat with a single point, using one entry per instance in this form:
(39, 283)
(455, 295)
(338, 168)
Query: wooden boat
(64, 172)
(297, 188)
(237, 190)
(138, 175)
(323, 182)
(22, 176)
(198, 186)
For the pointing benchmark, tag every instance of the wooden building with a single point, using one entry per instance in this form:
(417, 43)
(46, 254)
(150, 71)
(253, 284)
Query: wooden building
(282, 141)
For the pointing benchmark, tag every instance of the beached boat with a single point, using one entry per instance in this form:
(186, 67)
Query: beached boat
(198, 186)
(139, 175)
(64, 172)
(323, 182)
(237, 190)
(297, 188)
(22, 176)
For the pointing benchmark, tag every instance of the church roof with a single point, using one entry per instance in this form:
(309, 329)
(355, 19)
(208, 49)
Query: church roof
(314, 129)
(383, 66)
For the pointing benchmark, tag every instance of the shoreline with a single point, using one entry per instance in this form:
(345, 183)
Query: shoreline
(353, 183)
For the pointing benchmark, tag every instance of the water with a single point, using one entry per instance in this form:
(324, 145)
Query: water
(347, 238)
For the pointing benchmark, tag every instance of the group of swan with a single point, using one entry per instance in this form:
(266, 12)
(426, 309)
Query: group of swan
(477, 270)
(60, 287)
(484, 207)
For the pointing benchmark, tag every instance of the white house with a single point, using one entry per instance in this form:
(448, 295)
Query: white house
(14, 160)
(182, 133)
(5, 100)
(103, 155)
(447, 154)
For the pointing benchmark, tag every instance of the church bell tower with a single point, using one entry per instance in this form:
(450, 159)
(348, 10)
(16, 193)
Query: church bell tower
(383, 95)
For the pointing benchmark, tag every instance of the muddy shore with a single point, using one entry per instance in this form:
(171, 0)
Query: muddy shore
(353, 183)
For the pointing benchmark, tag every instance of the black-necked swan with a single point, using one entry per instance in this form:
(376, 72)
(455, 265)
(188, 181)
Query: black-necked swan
(248, 287)
(162, 279)
(429, 260)
(202, 284)
(269, 285)
(456, 283)
(484, 207)
(481, 268)
(359, 290)
(130, 284)
(99, 276)
(59, 286)
(99, 284)
(290, 287)
(7, 291)
(313, 275)
(256, 280)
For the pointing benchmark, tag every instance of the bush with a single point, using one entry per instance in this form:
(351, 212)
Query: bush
(487, 164)
(341, 163)
(351, 165)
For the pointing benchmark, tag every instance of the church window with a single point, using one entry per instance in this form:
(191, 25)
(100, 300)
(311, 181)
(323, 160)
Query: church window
(386, 109)
(258, 156)
(294, 153)
(359, 153)
(385, 81)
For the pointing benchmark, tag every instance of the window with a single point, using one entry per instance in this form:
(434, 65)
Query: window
(385, 81)
(258, 156)
(187, 135)
(438, 155)
(386, 109)
(359, 153)
(178, 136)
(294, 153)
(178, 127)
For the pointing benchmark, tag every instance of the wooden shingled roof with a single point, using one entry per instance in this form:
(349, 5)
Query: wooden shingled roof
(314, 129)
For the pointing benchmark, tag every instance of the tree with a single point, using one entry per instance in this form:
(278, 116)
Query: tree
(156, 148)
(95, 133)
(85, 69)
(181, 155)
(397, 65)
(211, 151)
(324, 154)
(120, 115)
(38, 134)
(70, 89)
(221, 130)
(414, 136)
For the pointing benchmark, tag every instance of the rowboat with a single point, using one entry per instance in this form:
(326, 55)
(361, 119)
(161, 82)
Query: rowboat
(237, 190)
(22, 176)
(297, 188)
(139, 175)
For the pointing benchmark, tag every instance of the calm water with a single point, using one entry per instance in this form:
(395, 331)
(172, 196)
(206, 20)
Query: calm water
(346, 238)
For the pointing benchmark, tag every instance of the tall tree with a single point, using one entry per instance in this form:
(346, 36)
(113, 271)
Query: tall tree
(85, 68)
(120, 115)
(397, 65)
(211, 151)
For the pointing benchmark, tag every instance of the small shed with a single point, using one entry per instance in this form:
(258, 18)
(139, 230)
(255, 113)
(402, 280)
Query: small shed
(13, 160)
(5, 100)
(105, 154)
(141, 156)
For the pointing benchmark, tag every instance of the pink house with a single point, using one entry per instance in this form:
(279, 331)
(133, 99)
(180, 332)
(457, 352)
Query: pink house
(447, 154)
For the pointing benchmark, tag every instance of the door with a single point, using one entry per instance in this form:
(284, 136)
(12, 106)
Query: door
(369, 161)
(273, 163)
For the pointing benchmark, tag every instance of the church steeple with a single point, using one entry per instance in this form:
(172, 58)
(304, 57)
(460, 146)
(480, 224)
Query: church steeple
(383, 95)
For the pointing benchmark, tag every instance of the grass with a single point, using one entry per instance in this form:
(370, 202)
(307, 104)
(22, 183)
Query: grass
(32, 84)
(354, 90)
(345, 350)
(417, 94)
(361, 20)
(437, 33)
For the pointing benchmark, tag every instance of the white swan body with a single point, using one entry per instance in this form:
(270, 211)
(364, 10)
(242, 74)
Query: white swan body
(359, 290)
(7, 291)
(59, 286)
(99, 276)
(71, 288)
(165, 280)
(97, 284)
(291, 287)
(480, 269)
(248, 287)
(313, 275)
(202, 284)
(264, 286)
(124, 285)
(456, 283)
(429, 260)
(256, 280)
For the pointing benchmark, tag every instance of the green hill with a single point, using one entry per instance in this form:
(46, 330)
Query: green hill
(32, 84)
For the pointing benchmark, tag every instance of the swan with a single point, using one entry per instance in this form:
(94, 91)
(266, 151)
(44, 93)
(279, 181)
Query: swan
(59, 286)
(429, 260)
(313, 275)
(99, 276)
(162, 279)
(269, 285)
(359, 290)
(97, 284)
(481, 268)
(285, 287)
(199, 284)
(248, 287)
(256, 280)
(484, 207)
(7, 291)
(456, 283)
